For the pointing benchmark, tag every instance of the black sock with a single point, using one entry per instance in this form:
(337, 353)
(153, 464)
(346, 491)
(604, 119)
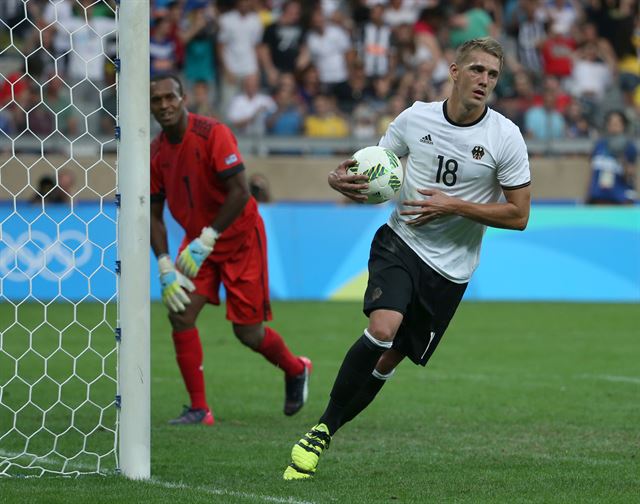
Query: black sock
(354, 373)
(362, 399)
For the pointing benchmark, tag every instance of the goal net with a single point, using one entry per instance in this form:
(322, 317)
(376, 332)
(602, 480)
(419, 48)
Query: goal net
(60, 321)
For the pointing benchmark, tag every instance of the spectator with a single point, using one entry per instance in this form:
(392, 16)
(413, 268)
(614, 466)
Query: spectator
(552, 84)
(328, 47)
(408, 52)
(162, 48)
(238, 37)
(373, 44)
(523, 99)
(576, 121)
(309, 84)
(9, 9)
(288, 117)
(325, 120)
(59, 17)
(557, 54)
(397, 13)
(544, 122)
(561, 15)
(88, 34)
(429, 19)
(428, 49)
(66, 184)
(288, 80)
(201, 101)
(380, 93)
(27, 114)
(248, 110)
(281, 43)
(6, 127)
(395, 105)
(354, 91)
(12, 85)
(58, 99)
(46, 191)
(175, 15)
(530, 34)
(469, 21)
(592, 74)
(587, 32)
(196, 34)
(422, 88)
(615, 21)
(363, 125)
(49, 191)
(613, 164)
(161, 7)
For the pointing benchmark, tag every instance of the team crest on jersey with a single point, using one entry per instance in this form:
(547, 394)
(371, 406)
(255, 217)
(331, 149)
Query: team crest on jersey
(477, 152)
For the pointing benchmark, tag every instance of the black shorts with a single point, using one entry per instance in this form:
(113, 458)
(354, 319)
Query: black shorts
(400, 281)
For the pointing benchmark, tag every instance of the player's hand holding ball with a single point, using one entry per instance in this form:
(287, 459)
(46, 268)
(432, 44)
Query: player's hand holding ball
(173, 284)
(194, 254)
(347, 183)
(373, 175)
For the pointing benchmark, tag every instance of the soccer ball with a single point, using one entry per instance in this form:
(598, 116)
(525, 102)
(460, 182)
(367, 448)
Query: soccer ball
(384, 170)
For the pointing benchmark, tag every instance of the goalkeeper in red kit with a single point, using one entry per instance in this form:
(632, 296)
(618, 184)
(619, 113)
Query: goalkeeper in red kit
(197, 169)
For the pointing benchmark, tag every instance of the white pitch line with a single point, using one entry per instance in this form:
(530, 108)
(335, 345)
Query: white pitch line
(611, 378)
(583, 460)
(231, 493)
(165, 484)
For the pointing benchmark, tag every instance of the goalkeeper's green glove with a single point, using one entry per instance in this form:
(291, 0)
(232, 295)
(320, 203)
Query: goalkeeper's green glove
(173, 284)
(194, 254)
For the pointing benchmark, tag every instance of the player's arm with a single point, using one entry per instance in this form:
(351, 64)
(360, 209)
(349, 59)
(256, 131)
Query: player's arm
(510, 214)
(158, 229)
(238, 194)
(194, 254)
(172, 281)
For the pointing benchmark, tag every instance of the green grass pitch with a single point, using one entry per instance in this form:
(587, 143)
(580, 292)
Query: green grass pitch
(521, 403)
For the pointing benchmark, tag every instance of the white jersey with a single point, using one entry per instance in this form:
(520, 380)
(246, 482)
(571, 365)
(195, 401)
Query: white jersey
(473, 162)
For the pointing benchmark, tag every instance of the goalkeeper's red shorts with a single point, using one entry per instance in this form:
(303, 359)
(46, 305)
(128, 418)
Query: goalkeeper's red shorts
(245, 278)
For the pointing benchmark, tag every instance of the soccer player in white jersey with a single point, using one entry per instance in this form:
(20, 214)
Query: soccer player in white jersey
(467, 168)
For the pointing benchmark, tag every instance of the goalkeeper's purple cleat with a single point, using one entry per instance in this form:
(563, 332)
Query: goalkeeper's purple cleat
(297, 389)
(192, 416)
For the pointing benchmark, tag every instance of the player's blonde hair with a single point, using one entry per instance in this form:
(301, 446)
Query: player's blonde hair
(485, 44)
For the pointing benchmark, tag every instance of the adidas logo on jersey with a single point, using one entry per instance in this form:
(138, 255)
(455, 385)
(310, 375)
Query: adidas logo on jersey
(426, 139)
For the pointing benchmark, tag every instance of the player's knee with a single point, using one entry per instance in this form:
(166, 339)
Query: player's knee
(382, 332)
(181, 321)
(249, 335)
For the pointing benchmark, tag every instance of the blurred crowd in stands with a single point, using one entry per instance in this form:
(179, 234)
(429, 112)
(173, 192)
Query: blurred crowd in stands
(326, 68)
(323, 68)
(340, 68)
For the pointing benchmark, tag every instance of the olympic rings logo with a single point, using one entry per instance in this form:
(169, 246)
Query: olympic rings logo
(36, 254)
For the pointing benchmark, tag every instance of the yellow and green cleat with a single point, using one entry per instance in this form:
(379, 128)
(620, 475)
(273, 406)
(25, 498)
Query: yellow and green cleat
(306, 453)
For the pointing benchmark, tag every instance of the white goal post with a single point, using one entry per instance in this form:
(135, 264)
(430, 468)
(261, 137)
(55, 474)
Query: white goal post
(134, 375)
(74, 238)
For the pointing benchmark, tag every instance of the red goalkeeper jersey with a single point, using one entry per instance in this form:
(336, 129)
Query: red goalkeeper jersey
(190, 176)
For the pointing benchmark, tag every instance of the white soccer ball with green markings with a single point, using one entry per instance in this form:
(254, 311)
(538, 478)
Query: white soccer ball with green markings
(384, 170)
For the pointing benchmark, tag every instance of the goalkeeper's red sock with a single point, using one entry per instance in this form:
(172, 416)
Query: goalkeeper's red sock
(189, 357)
(276, 351)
